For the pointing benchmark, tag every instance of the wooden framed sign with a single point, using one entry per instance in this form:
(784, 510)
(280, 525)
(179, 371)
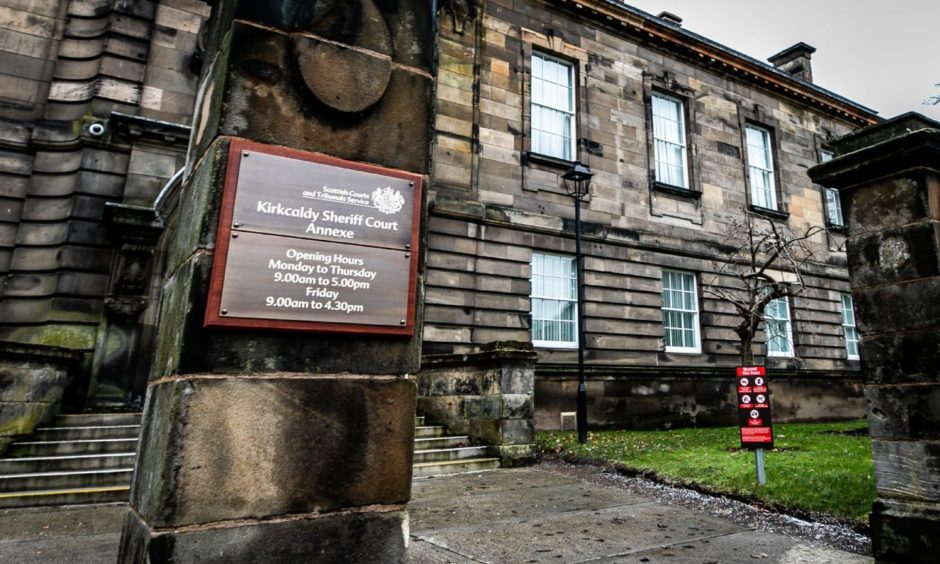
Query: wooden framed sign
(308, 242)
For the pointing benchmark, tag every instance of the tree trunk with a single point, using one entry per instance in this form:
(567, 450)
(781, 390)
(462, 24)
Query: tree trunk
(747, 352)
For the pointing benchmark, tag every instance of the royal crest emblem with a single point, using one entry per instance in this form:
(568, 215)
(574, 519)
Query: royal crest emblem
(387, 201)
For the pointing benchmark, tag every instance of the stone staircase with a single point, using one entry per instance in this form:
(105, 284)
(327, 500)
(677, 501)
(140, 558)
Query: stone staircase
(89, 458)
(437, 453)
(81, 458)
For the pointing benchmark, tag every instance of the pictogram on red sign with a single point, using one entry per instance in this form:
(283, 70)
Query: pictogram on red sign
(754, 408)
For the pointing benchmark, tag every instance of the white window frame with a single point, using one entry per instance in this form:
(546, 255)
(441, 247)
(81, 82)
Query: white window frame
(771, 318)
(669, 138)
(686, 310)
(552, 95)
(849, 327)
(834, 208)
(833, 201)
(559, 295)
(760, 163)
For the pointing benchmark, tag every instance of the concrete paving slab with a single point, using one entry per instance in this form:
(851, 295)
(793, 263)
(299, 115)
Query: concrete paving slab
(81, 549)
(466, 509)
(36, 523)
(577, 536)
(746, 546)
(484, 482)
(422, 552)
(86, 534)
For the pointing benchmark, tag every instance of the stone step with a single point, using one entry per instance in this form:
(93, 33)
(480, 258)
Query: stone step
(41, 481)
(430, 431)
(428, 443)
(425, 469)
(62, 448)
(444, 454)
(419, 420)
(33, 464)
(93, 432)
(72, 496)
(96, 419)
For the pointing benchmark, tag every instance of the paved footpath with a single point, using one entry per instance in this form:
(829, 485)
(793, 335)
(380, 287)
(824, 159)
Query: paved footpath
(535, 515)
(521, 515)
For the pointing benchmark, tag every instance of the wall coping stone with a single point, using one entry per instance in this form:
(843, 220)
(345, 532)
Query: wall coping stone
(33, 352)
(909, 141)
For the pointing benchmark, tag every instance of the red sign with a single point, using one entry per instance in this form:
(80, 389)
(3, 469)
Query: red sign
(754, 408)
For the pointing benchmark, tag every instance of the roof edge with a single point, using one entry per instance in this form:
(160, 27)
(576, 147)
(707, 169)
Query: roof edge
(616, 13)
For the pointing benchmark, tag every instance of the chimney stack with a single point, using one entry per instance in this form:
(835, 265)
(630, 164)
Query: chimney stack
(670, 18)
(795, 60)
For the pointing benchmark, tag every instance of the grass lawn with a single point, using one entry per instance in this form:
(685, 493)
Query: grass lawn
(814, 467)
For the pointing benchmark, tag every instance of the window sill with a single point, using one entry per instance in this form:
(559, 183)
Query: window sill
(552, 162)
(772, 214)
(676, 191)
(554, 345)
(682, 351)
(835, 228)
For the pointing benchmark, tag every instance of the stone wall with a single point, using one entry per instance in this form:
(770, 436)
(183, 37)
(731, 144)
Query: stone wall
(681, 399)
(32, 382)
(487, 396)
(95, 99)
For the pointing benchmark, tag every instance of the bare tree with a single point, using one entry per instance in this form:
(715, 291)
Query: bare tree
(933, 100)
(768, 262)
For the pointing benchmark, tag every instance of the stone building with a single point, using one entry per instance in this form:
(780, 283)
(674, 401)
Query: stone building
(683, 135)
(97, 98)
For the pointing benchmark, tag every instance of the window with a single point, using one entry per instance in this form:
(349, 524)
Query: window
(553, 132)
(554, 301)
(833, 203)
(834, 208)
(848, 327)
(778, 329)
(680, 312)
(760, 164)
(669, 146)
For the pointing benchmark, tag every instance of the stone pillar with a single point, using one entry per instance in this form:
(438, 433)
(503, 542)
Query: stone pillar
(488, 396)
(264, 445)
(889, 179)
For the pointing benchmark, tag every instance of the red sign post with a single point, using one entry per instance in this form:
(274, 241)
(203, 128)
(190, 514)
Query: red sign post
(757, 432)
(754, 408)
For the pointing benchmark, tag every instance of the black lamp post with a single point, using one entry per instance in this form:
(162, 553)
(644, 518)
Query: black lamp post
(578, 185)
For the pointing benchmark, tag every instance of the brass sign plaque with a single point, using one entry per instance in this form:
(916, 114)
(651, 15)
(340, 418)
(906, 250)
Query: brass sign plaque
(297, 279)
(301, 198)
(310, 242)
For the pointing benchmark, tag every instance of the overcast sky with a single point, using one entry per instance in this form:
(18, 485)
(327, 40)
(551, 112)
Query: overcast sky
(881, 54)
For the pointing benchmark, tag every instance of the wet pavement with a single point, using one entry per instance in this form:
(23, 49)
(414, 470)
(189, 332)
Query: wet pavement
(547, 513)
(554, 513)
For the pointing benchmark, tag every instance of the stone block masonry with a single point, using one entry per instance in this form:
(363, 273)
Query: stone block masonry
(889, 181)
(269, 445)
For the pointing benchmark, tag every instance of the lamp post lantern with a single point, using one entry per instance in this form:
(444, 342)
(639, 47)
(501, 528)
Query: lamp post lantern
(578, 184)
